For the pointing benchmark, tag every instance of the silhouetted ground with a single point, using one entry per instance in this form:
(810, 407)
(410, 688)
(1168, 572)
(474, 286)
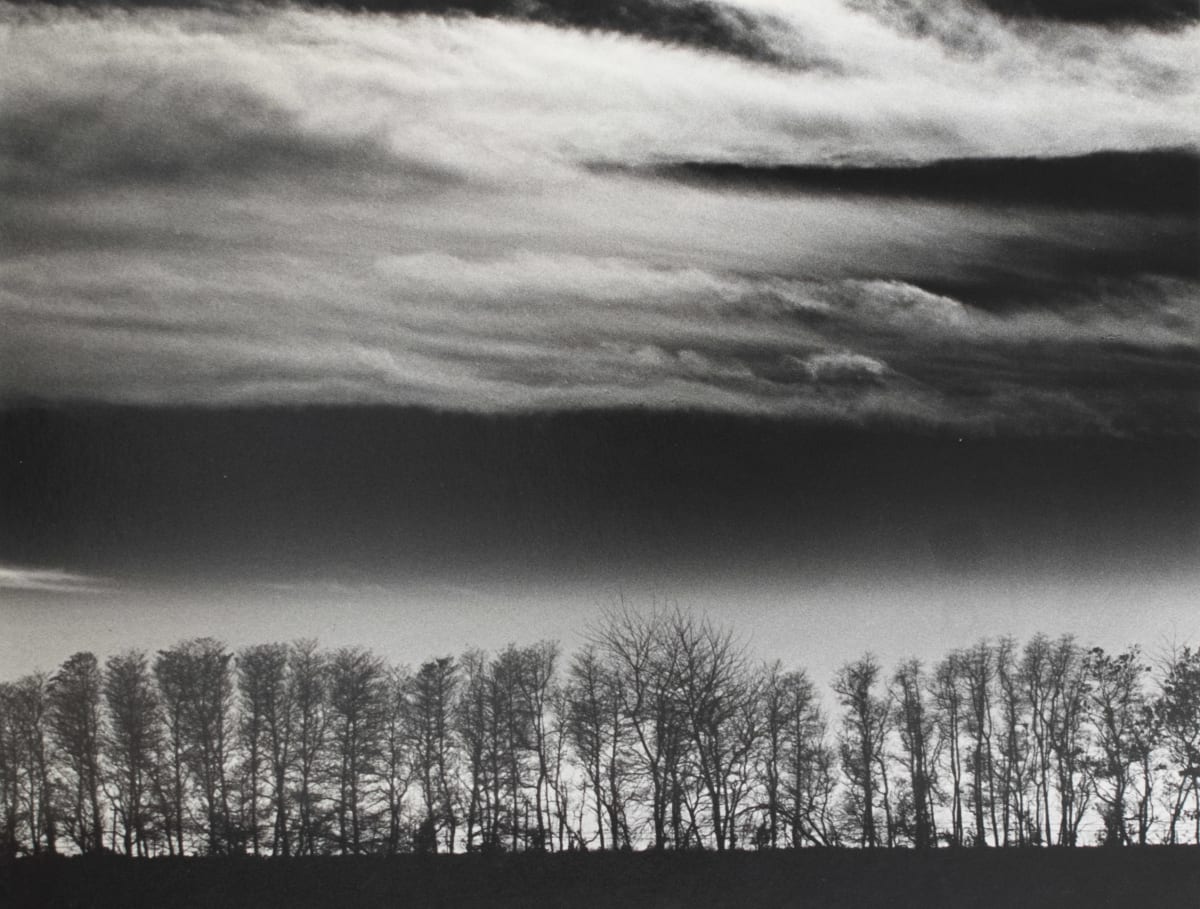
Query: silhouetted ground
(1027, 879)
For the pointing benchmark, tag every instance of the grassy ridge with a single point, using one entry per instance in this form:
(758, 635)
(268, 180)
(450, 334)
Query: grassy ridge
(1029, 879)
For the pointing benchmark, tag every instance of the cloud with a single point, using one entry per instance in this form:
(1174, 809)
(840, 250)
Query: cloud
(526, 330)
(193, 93)
(340, 102)
(1166, 181)
(48, 580)
(710, 26)
(1149, 12)
(290, 206)
(843, 367)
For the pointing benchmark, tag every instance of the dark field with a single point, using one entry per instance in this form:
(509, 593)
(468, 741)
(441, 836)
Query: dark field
(1029, 879)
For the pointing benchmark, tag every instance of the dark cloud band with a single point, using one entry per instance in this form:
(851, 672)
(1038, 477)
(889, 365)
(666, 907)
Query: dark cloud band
(293, 493)
(700, 24)
(1101, 12)
(1166, 181)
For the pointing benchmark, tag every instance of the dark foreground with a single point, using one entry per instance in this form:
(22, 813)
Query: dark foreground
(1127, 878)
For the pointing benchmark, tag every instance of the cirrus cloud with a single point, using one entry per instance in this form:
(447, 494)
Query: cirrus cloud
(279, 205)
(49, 580)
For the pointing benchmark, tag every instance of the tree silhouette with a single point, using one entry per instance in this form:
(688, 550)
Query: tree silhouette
(916, 726)
(661, 731)
(865, 727)
(75, 723)
(1177, 712)
(131, 745)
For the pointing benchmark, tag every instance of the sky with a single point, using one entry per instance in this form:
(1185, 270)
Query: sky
(855, 324)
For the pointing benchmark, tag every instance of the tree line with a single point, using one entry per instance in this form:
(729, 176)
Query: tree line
(661, 731)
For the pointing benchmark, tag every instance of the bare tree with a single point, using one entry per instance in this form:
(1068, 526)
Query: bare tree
(433, 701)
(279, 723)
(634, 646)
(28, 707)
(1037, 685)
(1119, 714)
(356, 680)
(308, 697)
(10, 776)
(536, 683)
(598, 734)
(397, 765)
(511, 738)
(131, 744)
(917, 727)
(808, 768)
(663, 732)
(471, 720)
(264, 735)
(946, 688)
(211, 728)
(495, 738)
(74, 721)
(773, 752)
(795, 768)
(171, 674)
(718, 701)
(30, 811)
(587, 727)
(1066, 728)
(1177, 712)
(196, 681)
(977, 669)
(560, 776)
(865, 725)
(1014, 750)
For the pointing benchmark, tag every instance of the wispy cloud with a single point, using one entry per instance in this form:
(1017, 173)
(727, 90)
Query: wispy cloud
(265, 91)
(50, 580)
(289, 206)
(538, 330)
